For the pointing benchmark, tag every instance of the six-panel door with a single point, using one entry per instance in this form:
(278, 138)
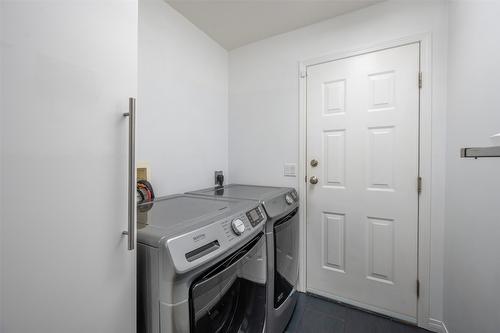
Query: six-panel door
(362, 128)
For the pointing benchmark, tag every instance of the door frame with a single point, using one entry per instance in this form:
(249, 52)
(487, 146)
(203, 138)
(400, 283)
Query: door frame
(425, 157)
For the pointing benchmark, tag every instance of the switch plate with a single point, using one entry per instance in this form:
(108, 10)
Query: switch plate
(290, 170)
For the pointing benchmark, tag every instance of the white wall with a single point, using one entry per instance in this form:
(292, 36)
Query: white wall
(472, 265)
(1, 163)
(263, 98)
(182, 101)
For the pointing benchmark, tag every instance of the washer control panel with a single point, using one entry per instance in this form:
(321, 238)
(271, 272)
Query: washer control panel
(244, 223)
(196, 247)
(255, 216)
(238, 226)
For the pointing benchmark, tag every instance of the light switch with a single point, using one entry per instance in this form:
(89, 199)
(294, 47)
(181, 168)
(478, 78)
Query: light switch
(290, 170)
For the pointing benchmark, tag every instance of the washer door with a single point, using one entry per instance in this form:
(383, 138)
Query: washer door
(228, 299)
(286, 253)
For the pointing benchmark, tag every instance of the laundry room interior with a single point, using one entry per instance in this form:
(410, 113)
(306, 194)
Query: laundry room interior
(271, 166)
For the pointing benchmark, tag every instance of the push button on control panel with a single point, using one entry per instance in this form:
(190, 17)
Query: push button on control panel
(238, 226)
(289, 200)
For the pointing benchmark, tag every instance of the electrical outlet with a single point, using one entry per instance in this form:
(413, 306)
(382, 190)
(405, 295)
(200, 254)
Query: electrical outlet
(143, 171)
(217, 175)
(290, 170)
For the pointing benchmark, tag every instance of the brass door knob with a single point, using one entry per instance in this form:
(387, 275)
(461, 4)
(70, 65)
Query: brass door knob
(313, 180)
(314, 163)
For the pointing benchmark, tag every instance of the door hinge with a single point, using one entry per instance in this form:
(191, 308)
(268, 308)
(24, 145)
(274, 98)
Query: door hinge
(305, 178)
(418, 288)
(302, 74)
(419, 185)
(420, 80)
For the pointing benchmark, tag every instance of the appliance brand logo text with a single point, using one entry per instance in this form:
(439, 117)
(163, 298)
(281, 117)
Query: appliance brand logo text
(199, 237)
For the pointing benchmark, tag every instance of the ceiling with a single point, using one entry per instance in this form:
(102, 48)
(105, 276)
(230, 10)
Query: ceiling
(233, 23)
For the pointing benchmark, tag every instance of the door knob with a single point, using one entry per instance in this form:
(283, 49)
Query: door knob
(314, 163)
(313, 180)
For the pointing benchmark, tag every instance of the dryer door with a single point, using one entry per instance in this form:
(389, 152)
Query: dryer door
(231, 296)
(286, 253)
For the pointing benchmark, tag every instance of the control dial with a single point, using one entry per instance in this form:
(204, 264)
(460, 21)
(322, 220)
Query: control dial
(238, 226)
(289, 200)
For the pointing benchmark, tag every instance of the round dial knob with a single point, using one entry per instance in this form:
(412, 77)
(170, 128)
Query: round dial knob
(238, 226)
(288, 198)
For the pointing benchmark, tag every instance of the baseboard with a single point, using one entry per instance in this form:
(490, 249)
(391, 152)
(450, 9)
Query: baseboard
(437, 326)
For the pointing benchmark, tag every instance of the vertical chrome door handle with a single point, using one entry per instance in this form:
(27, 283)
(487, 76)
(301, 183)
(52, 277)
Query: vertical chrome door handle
(131, 232)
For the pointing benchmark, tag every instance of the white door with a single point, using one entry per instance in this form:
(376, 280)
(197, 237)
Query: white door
(362, 214)
(68, 69)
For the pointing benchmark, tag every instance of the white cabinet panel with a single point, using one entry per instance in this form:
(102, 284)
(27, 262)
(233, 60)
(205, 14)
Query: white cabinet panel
(68, 70)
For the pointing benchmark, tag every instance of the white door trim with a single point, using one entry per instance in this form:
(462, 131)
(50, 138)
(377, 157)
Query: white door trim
(424, 226)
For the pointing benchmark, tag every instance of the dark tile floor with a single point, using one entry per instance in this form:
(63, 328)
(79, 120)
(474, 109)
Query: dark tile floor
(317, 315)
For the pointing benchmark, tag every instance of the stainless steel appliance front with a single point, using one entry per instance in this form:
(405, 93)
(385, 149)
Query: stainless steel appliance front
(201, 265)
(282, 236)
(230, 296)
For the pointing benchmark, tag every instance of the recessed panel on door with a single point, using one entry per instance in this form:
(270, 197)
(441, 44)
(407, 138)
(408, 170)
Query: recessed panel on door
(334, 157)
(380, 249)
(333, 241)
(380, 158)
(381, 91)
(334, 97)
